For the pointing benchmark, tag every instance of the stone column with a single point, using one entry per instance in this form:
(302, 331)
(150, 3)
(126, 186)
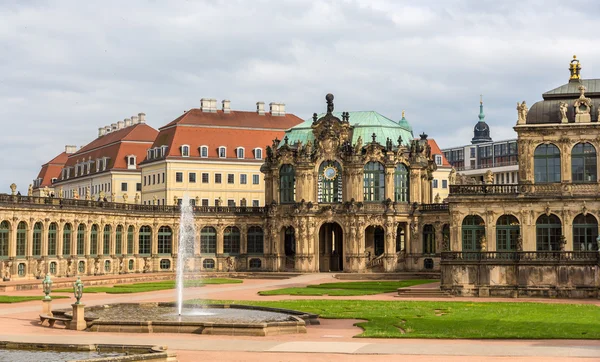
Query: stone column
(154, 240)
(175, 241)
(47, 307)
(29, 244)
(12, 239)
(45, 229)
(244, 239)
(220, 230)
(59, 239)
(567, 230)
(113, 239)
(438, 237)
(136, 240)
(415, 185)
(389, 182)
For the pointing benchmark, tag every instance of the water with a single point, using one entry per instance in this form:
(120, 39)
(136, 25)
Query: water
(17, 355)
(187, 238)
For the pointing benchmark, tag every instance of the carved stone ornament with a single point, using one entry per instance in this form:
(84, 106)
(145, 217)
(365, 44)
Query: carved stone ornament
(562, 110)
(522, 113)
(583, 107)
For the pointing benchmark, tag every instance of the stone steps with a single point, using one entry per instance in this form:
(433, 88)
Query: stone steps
(388, 276)
(422, 293)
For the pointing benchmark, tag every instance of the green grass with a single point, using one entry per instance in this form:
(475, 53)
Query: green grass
(348, 288)
(151, 286)
(419, 319)
(19, 299)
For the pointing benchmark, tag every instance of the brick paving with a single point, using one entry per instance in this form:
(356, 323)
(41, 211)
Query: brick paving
(332, 339)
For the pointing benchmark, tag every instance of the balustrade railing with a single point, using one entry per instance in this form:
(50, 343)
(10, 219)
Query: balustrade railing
(555, 256)
(433, 207)
(55, 203)
(484, 189)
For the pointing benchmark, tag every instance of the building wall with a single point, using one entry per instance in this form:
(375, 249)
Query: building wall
(107, 184)
(170, 189)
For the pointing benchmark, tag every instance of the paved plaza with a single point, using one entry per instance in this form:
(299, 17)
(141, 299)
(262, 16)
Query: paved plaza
(332, 339)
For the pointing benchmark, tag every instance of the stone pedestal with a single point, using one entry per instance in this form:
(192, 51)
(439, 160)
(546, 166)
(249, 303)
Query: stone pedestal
(47, 307)
(78, 322)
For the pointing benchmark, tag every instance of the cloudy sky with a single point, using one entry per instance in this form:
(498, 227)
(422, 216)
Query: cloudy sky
(69, 67)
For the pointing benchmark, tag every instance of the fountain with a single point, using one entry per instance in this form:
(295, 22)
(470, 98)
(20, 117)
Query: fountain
(228, 319)
(187, 238)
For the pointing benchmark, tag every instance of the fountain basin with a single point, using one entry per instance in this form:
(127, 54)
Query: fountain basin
(215, 319)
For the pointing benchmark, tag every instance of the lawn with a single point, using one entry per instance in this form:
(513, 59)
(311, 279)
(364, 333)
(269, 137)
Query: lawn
(151, 286)
(348, 288)
(18, 299)
(419, 319)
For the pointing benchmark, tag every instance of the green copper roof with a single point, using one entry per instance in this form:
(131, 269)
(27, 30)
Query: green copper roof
(364, 123)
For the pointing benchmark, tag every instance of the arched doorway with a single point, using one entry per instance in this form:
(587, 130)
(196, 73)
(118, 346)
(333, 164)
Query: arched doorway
(374, 241)
(289, 247)
(331, 253)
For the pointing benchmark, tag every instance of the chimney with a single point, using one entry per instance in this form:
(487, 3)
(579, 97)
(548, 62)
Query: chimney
(142, 117)
(277, 109)
(135, 120)
(113, 126)
(101, 132)
(106, 129)
(260, 108)
(226, 106)
(208, 105)
(127, 122)
(120, 125)
(72, 148)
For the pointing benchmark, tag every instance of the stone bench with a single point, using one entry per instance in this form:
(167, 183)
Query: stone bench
(51, 320)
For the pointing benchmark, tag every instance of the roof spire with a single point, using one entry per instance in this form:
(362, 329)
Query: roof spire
(575, 69)
(403, 114)
(481, 115)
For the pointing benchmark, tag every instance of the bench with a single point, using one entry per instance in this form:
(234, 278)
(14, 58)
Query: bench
(51, 320)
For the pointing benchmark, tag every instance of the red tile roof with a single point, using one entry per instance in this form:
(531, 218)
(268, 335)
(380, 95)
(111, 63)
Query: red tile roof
(117, 145)
(51, 169)
(232, 130)
(435, 150)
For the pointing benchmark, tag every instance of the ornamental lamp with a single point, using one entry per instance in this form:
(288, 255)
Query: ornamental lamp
(78, 289)
(47, 286)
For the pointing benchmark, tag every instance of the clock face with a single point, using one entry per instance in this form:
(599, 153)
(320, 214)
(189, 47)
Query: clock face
(330, 172)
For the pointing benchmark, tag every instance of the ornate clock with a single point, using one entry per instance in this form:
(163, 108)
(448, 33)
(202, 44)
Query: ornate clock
(330, 172)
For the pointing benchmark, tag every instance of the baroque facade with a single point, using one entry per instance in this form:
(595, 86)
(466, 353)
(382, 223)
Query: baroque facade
(333, 203)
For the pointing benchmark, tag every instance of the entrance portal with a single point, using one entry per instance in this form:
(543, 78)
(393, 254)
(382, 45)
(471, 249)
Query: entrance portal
(331, 253)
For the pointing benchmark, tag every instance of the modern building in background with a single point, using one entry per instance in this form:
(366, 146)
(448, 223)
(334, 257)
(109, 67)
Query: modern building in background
(484, 154)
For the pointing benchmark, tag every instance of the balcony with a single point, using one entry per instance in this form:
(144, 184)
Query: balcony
(527, 190)
(484, 189)
(503, 257)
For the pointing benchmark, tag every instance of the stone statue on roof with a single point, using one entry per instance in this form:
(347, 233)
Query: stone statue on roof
(30, 190)
(522, 112)
(563, 107)
(359, 144)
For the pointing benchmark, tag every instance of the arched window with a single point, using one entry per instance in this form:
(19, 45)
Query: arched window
(107, 266)
(21, 239)
(287, 184)
(185, 151)
(428, 239)
(130, 236)
(473, 230)
(4, 238)
(401, 183)
(255, 240)
(81, 239)
(222, 152)
(258, 153)
(585, 232)
(231, 240)
(203, 151)
(145, 240)
(130, 264)
(165, 240)
(583, 163)
(374, 182)
(94, 240)
(106, 240)
(240, 152)
(548, 231)
(330, 182)
(81, 267)
(119, 240)
(52, 239)
(546, 164)
(507, 233)
(208, 240)
(37, 239)
(67, 234)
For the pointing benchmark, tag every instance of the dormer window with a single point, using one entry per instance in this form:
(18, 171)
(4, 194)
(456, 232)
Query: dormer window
(98, 165)
(76, 170)
(163, 150)
(150, 154)
(240, 152)
(438, 160)
(222, 152)
(105, 163)
(185, 151)
(53, 180)
(131, 162)
(258, 153)
(157, 152)
(204, 151)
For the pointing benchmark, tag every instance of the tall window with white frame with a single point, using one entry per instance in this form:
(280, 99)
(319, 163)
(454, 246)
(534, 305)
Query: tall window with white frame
(401, 183)
(583, 163)
(222, 152)
(240, 152)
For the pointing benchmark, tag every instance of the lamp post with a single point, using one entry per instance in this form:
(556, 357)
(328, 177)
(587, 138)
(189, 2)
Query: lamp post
(47, 286)
(78, 289)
